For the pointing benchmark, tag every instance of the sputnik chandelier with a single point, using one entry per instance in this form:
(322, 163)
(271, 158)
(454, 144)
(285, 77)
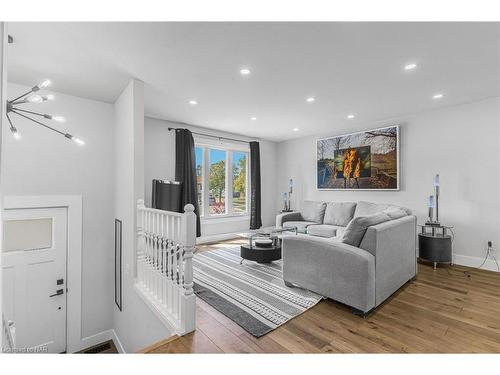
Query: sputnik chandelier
(32, 97)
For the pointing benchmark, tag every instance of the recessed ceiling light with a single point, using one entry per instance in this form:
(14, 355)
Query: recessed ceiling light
(193, 102)
(295, 129)
(437, 96)
(350, 117)
(244, 71)
(410, 66)
(310, 99)
(253, 118)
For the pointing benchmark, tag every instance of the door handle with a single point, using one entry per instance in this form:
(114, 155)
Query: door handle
(57, 293)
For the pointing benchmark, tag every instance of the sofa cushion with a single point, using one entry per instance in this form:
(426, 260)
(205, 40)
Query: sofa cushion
(355, 230)
(364, 208)
(322, 230)
(300, 225)
(339, 213)
(313, 211)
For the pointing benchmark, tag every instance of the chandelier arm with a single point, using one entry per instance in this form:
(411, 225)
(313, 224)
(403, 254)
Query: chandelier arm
(17, 102)
(19, 97)
(10, 122)
(41, 123)
(30, 112)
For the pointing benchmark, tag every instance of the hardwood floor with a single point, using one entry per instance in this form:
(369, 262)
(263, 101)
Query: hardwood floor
(450, 310)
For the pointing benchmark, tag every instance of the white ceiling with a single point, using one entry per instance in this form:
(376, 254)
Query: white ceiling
(349, 68)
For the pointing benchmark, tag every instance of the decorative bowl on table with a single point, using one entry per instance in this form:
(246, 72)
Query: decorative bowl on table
(263, 242)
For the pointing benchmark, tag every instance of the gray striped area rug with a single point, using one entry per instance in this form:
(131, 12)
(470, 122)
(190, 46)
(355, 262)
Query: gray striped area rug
(253, 295)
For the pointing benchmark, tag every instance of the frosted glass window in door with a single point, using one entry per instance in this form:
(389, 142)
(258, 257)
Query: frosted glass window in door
(27, 234)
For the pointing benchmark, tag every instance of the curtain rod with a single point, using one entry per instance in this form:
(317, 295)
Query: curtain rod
(214, 136)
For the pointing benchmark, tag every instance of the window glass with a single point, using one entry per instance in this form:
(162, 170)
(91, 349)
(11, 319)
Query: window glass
(239, 182)
(199, 176)
(217, 182)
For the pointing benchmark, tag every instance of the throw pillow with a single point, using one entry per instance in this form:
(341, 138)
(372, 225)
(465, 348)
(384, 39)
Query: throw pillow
(339, 213)
(355, 230)
(313, 211)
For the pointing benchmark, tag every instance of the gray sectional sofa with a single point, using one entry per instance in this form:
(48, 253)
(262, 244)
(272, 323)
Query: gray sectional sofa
(355, 253)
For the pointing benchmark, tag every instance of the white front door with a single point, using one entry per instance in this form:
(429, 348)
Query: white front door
(34, 249)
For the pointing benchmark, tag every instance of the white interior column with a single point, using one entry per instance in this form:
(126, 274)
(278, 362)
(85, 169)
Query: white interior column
(136, 325)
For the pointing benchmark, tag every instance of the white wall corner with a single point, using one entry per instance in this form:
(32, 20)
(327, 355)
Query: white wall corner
(3, 85)
(138, 92)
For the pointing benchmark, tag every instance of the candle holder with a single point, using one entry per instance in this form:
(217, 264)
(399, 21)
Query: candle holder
(431, 209)
(285, 203)
(287, 206)
(434, 204)
(436, 193)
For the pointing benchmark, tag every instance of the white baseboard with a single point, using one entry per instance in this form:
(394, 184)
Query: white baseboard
(217, 237)
(117, 342)
(98, 338)
(156, 309)
(468, 261)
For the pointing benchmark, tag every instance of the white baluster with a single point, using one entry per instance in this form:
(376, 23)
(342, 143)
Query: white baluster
(169, 276)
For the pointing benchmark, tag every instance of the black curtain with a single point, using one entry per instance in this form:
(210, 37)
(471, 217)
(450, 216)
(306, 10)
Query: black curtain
(185, 171)
(255, 215)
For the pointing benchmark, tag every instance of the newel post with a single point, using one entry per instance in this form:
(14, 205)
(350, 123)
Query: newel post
(188, 231)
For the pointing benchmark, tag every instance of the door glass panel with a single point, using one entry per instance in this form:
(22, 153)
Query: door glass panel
(217, 182)
(27, 234)
(239, 182)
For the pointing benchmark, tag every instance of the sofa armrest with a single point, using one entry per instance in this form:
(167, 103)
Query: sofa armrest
(393, 244)
(330, 268)
(287, 216)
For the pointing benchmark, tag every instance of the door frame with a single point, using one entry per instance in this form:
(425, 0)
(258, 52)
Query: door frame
(73, 204)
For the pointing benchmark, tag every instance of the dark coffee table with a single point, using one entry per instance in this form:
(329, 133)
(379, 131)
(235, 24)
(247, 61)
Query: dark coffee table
(261, 254)
(264, 254)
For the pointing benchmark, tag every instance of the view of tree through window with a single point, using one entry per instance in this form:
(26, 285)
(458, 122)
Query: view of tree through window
(217, 182)
(239, 182)
(216, 171)
(199, 176)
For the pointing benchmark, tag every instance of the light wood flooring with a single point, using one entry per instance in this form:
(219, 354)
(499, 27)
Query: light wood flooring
(450, 310)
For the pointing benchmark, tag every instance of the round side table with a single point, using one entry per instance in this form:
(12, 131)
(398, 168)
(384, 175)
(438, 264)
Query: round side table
(435, 244)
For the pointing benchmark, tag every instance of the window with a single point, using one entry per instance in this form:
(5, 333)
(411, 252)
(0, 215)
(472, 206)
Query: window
(217, 182)
(199, 176)
(222, 180)
(239, 182)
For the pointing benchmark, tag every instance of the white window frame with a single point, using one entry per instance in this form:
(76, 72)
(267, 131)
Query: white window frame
(229, 149)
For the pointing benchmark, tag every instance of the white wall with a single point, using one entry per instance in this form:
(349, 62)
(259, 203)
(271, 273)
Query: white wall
(3, 92)
(159, 159)
(136, 326)
(460, 143)
(45, 163)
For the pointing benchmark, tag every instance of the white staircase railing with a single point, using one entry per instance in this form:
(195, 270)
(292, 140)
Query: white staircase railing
(165, 245)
